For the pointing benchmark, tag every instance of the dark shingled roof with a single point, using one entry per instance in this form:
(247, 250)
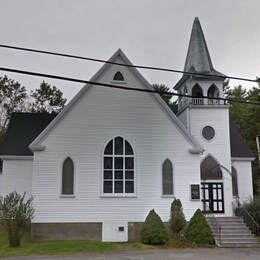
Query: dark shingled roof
(25, 127)
(239, 147)
(22, 130)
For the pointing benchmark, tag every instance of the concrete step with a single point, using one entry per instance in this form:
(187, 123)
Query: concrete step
(238, 240)
(248, 245)
(234, 232)
(231, 235)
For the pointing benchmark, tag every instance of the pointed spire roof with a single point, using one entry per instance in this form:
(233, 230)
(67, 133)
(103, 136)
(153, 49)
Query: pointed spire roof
(198, 57)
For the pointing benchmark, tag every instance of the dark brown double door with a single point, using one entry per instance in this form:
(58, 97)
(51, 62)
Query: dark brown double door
(212, 197)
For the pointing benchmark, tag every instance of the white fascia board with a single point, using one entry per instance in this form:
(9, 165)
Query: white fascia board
(16, 157)
(242, 158)
(119, 52)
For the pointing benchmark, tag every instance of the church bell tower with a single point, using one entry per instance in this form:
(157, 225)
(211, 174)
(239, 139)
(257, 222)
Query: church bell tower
(206, 119)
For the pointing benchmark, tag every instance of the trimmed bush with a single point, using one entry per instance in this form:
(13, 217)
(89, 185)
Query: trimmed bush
(177, 221)
(154, 232)
(198, 230)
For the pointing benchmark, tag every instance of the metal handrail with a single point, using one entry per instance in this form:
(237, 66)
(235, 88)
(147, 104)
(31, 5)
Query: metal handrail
(249, 220)
(215, 225)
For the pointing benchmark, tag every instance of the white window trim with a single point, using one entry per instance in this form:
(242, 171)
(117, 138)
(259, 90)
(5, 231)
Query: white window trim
(117, 195)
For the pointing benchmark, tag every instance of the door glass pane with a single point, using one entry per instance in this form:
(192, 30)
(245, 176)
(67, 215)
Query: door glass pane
(215, 194)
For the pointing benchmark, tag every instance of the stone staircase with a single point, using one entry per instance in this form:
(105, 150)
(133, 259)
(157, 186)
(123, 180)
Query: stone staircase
(234, 232)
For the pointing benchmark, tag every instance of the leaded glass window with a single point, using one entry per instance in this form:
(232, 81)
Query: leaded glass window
(118, 165)
(68, 177)
(167, 178)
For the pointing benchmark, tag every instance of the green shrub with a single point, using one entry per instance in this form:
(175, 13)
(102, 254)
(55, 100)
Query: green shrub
(198, 230)
(16, 214)
(177, 220)
(154, 232)
(253, 207)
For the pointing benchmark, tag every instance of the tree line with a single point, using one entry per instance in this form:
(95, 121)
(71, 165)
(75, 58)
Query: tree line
(15, 98)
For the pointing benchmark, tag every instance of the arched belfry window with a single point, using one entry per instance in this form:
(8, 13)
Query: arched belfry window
(68, 177)
(210, 169)
(234, 182)
(118, 164)
(167, 177)
(118, 76)
(197, 94)
(213, 92)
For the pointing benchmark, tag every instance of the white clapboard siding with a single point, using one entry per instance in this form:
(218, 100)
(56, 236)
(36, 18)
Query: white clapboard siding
(16, 176)
(244, 179)
(219, 146)
(83, 133)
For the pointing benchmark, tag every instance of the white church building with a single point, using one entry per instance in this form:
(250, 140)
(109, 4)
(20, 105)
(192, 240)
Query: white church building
(97, 168)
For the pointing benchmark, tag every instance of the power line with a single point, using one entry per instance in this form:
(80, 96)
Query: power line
(120, 87)
(124, 65)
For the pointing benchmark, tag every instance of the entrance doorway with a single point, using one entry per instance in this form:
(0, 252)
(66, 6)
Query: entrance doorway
(212, 197)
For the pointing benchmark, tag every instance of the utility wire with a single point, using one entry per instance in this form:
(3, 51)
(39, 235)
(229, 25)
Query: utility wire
(120, 87)
(125, 65)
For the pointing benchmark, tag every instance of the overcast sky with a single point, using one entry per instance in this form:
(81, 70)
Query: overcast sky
(154, 33)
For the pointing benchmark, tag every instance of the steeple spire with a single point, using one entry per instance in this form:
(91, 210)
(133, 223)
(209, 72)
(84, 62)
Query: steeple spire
(198, 57)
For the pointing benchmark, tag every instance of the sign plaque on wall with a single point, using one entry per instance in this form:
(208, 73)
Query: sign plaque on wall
(195, 191)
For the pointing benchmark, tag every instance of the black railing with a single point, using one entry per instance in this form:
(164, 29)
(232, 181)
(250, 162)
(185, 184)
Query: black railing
(248, 219)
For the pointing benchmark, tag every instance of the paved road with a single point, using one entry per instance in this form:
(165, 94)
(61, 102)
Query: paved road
(164, 254)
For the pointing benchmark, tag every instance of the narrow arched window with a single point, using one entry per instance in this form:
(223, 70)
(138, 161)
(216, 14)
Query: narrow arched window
(167, 178)
(118, 76)
(118, 164)
(234, 182)
(68, 177)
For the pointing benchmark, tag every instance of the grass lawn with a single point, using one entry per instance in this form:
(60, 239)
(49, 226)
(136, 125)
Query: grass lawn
(59, 247)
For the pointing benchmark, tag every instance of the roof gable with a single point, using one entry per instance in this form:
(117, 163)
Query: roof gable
(196, 148)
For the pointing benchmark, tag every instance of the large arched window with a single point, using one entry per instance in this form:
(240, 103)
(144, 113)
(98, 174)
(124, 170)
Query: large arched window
(118, 163)
(234, 182)
(167, 178)
(68, 177)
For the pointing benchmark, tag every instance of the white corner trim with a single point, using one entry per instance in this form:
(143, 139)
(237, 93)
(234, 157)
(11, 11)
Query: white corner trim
(81, 93)
(242, 158)
(16, 157)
